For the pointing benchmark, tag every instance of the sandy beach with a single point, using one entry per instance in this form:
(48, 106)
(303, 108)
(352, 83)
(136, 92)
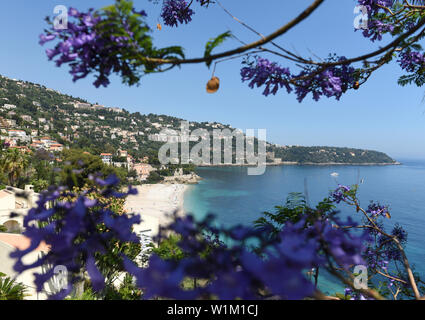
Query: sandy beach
(154, 203)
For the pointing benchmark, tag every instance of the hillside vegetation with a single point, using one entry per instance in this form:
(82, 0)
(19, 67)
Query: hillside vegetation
(76, 123)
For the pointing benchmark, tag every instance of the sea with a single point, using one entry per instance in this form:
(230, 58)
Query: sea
(237, 198)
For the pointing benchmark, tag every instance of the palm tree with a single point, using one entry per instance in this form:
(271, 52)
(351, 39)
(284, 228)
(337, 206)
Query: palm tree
(14, 165)
(10, 289)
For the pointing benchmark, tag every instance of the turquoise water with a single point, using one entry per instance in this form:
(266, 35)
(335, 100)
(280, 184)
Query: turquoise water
(236, 198)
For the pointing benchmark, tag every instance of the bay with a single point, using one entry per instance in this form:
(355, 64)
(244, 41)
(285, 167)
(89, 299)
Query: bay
(236, 198)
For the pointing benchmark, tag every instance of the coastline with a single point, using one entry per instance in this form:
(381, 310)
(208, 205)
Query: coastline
(290, 163)
(156, 203)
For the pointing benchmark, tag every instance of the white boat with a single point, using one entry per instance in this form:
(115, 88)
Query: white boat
(334, 174)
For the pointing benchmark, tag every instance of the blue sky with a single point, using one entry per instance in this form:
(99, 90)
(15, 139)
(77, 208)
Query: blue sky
(381, 115)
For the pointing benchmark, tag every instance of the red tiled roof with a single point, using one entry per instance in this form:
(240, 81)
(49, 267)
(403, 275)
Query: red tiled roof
(21, 242)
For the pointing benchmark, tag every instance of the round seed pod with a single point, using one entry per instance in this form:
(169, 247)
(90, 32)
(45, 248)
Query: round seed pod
(356, 85)
(213, 85)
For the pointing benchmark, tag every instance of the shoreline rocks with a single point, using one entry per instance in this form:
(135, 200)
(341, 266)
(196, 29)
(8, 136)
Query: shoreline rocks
(191, 178)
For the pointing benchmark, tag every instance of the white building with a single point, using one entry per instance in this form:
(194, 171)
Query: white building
(18, 135)
(106, 158)
(17, 201)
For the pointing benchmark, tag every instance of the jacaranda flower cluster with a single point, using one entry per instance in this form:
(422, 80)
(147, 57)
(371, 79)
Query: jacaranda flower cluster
(175, 12)
(332, 81)
(340, 194)
(71, 231)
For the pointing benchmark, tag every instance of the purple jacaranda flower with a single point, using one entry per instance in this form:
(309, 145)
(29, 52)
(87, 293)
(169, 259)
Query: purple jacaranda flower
(46, 38)
(73, 12)
(376, 27)
(375, 210)
(162, 278)
(411, 61)
(346, 248)
(331, 82)
(175, 12)
(373, 6)
(97, 279)
(340, 194)
(84, 45)
(231, 285)
(264, 72)
(278, 276)
(68, 228)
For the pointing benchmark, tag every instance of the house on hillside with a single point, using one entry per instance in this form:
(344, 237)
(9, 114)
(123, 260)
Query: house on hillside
(26, 118)
(81, 105)
(10, 142)
(3, 123)
(22, 149)
(18, 135)
(11, 122)
(56, 147)
(37, 144)
(122, 153)
(143, 170)
(117, 110)
(9, 106)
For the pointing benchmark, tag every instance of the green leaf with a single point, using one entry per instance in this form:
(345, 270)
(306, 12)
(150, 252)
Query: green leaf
(213, 43)
(416, 46)
(405, 80)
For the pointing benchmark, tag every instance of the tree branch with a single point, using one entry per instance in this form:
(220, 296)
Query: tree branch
(305, 14)
(406, 263)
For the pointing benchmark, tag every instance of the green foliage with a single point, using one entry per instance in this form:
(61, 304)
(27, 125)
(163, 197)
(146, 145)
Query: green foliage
(215, 42)
(417, 78)
(119, 159)
(40, 184)
(188, 168)
(3, 228)
(330, 155)
(138, 33)
(342, 296)
(292, 211)
(78, 167)
(126, 291)
(169, 249)
(10, 289)
(42, 166)
(109, 262)
(58, 109)
(14, 165)
(154, 177)
(88, 294)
